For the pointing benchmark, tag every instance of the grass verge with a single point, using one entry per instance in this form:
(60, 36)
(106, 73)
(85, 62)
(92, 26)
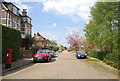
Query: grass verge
(107, 70)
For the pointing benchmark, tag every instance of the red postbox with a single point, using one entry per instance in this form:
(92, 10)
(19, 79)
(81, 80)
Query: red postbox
(9, 58)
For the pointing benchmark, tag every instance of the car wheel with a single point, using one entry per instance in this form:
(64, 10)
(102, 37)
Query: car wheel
(77, 57)
(34, 61)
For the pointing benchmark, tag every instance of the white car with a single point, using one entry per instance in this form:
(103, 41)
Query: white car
(59, 50)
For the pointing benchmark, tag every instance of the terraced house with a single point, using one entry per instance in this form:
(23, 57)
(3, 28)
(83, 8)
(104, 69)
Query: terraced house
(11, 17)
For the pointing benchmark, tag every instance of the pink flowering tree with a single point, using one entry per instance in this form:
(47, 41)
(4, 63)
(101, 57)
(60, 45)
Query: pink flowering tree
(75, 40)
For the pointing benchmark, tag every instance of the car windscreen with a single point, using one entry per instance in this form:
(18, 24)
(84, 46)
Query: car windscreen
(51, 51)
(42, 51)
(81, 52)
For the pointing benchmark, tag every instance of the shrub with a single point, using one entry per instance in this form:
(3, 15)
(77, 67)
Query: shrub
(55, 48)
(93, 53)
(11, 39)
(108, 58)
(111, 59)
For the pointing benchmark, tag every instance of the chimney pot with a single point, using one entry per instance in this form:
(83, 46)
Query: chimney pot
(24, 12)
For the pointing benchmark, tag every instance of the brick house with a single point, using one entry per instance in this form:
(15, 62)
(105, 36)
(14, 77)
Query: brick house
(40, 40)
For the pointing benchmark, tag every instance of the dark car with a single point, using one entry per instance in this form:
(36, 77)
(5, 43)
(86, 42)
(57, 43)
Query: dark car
(42, 55)
(52, 53)
(81, 54)
(69, 50)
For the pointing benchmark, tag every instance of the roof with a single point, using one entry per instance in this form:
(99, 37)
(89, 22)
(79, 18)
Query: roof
(13, 13)
(10, 3)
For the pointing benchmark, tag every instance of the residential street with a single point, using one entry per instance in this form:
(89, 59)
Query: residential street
(64, 66)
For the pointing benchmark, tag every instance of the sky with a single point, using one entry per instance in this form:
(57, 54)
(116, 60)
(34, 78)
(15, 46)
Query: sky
(55, 19)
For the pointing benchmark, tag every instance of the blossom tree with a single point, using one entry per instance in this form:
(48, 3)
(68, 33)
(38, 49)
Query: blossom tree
(75, 40)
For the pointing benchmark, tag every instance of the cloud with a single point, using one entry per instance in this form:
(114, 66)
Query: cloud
(23, 6)
(54, 25)
(70, 30)
(76, 9)
(49, 35)
(55, 36)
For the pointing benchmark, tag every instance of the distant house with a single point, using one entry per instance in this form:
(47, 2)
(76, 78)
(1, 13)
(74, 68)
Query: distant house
(40, 40)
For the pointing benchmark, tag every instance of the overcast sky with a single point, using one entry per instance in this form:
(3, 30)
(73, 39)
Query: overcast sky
(54, 19)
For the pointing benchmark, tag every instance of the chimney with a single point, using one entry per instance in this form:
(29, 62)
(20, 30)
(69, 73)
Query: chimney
(24, 12)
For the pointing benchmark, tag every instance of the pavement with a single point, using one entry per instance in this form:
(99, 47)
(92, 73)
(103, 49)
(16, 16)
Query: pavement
(17, 64)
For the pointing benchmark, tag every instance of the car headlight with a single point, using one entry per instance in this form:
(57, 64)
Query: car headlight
(78, 55)
(36, 56)
(86, 54)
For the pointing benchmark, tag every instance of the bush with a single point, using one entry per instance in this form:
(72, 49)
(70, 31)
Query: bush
(55, 48)
(111, 59)
(74, 50)
(11, 39)
(108, 58)
(97, 54)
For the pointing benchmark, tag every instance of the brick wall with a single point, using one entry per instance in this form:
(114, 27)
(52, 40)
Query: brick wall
(27, 53)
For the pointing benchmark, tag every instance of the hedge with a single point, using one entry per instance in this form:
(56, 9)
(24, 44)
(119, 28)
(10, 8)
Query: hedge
(108, 58)
(11, 39)
(0, 44)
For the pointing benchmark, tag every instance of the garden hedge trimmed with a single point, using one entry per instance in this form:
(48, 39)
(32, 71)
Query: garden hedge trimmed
(11, 39)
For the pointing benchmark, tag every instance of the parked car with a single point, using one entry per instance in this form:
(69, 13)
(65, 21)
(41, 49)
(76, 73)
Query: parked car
(69, 50)
(59, 50)
(42, 55)
(81, 54)
(52, 53)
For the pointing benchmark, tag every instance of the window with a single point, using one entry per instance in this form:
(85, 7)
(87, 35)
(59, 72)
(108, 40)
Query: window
(4, 14)
(4, 21)
(12, 24)
(29, 21)
(22, 29)
(15, 10)
(9, 16)
(9, 22)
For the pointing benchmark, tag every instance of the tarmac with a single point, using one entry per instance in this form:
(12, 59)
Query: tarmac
(17, 64)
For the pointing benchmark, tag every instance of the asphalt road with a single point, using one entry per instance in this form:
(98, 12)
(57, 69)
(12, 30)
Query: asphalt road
(64, 66)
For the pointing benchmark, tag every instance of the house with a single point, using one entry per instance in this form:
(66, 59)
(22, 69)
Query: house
(26, 26)
(40, 40)
(10, 15)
